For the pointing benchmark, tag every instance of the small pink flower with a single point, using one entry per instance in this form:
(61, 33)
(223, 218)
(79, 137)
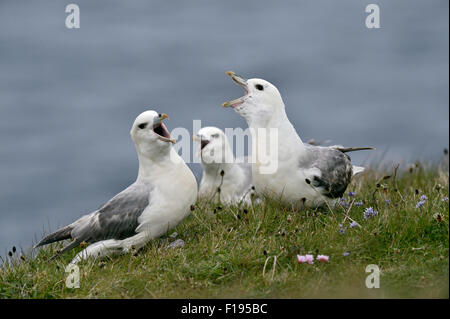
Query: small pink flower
(322, 258)
(301, 259)
(309, 259)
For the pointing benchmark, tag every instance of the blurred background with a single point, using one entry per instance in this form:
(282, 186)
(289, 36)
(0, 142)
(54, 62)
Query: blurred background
(68, 97)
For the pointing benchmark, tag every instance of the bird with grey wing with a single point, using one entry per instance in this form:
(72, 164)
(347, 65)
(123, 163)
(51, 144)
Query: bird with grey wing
(299, 173)
(225, 179)
(159, 199)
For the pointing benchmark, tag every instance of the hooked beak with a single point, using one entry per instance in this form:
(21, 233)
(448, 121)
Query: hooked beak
(240, 81)
(161, 130)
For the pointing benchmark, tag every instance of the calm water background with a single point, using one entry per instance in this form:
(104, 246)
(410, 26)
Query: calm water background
(68, 97)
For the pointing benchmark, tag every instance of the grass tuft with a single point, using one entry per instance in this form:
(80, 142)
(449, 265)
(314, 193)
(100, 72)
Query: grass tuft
(251, 252)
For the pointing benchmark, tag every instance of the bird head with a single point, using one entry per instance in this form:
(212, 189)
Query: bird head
(261, 101)
(214, 146)
(149, 134)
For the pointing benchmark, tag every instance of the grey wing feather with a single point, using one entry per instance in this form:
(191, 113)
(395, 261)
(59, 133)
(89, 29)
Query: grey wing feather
(351, 149)
(60, 234)
(117, 219)
(335, 167)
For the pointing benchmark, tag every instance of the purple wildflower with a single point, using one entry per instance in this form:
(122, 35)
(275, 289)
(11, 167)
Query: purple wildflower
(387, 201)
(346, 253)
(351, 194)
(341, 229)
(420, 204)
(423, 197)
(344, 202)
(445, 199)
(369, 212)
(353, 224)
(358, 204)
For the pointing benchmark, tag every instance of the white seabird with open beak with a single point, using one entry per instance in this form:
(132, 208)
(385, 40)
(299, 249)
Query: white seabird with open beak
(224, 178)
(157, 201)
(305, 175)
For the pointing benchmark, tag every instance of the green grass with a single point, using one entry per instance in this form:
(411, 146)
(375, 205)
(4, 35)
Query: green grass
(227, 248)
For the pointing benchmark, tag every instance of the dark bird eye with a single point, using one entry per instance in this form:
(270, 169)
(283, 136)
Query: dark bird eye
(142, 126)
(259, 87)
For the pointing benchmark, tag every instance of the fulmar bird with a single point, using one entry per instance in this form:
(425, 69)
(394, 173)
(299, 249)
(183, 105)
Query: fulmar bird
(298, 173)
(224, 178)
(157, 201)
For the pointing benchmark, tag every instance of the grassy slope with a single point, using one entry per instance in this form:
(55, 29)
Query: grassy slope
(226, 250)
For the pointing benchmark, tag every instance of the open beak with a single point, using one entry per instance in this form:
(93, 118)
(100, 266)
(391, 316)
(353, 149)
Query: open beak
(202, 140)
(161, 130)
(240, 81)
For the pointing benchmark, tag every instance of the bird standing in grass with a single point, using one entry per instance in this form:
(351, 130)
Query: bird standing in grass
(224, 178)
(284, 166)
(157, 201)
